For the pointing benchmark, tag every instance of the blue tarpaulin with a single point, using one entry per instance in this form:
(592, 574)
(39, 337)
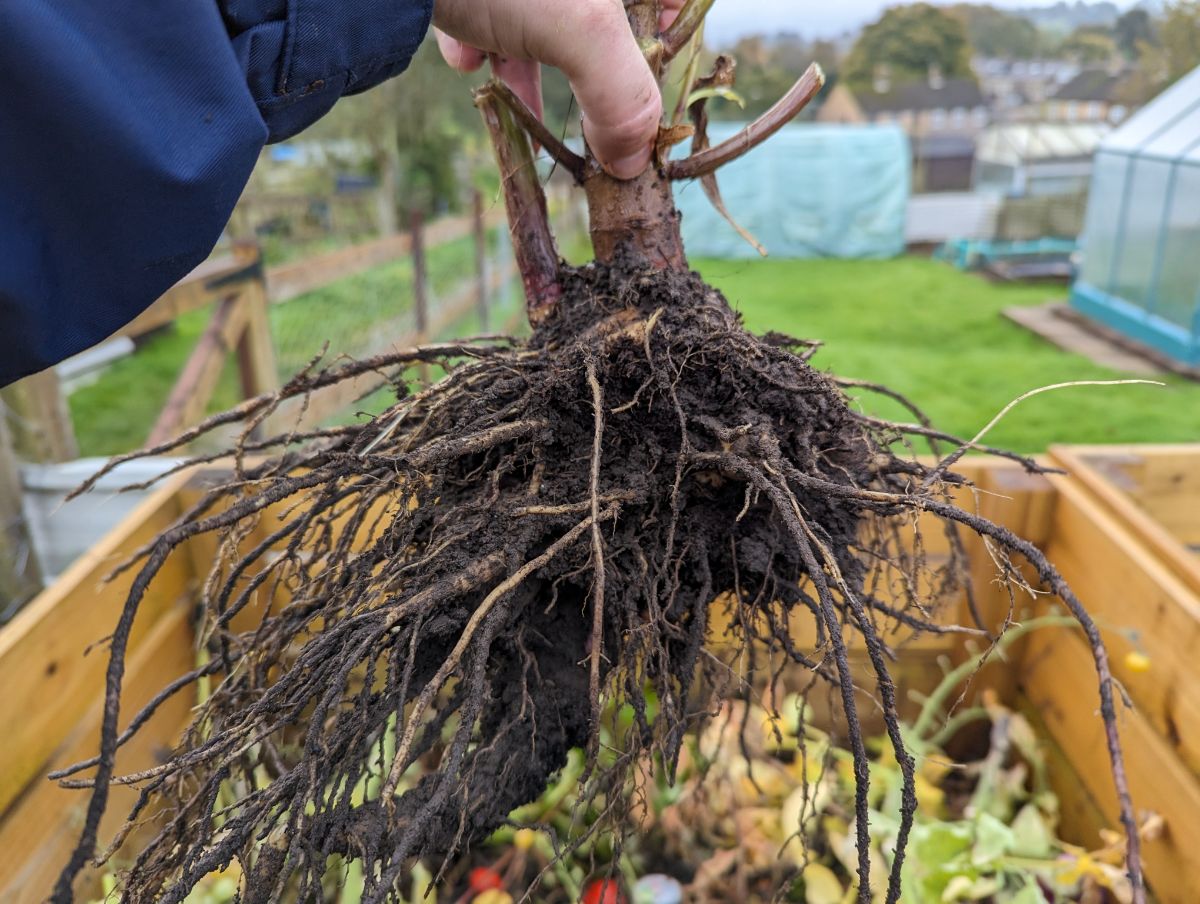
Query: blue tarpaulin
(811, 191)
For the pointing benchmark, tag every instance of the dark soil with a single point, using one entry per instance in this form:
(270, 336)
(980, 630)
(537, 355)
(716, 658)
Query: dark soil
(461, 637)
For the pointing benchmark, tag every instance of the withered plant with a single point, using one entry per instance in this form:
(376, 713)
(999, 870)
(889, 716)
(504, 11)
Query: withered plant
(445, 597)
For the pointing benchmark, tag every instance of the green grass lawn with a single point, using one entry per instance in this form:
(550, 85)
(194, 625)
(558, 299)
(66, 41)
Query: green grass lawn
(921, 327)
(937, 336)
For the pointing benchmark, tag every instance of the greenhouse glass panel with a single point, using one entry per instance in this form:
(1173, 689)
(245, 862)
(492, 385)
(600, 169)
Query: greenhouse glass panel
(1100, 230)
(1141, 247)
(1179, 280)
(1143, 127)
(1139, 234)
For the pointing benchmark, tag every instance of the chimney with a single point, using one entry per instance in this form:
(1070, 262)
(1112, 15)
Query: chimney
(883, 78)
(936, 81)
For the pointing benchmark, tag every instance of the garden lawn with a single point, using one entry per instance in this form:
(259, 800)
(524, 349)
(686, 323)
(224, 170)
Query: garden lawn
(937, 336)
(921, 327)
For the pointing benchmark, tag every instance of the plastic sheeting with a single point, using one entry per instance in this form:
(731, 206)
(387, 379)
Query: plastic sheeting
(811, 191)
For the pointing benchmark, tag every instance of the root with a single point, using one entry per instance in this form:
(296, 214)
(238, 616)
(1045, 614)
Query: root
(413, 620)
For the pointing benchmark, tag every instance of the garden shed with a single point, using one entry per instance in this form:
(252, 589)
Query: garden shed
(1140, 271)
(812, 191)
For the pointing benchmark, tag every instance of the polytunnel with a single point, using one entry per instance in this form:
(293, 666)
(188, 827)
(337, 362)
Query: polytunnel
(1140, 272)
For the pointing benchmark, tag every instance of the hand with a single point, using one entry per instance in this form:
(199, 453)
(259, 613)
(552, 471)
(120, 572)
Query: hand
(589, 40)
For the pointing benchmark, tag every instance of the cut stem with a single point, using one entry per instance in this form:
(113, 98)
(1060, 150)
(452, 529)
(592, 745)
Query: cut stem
(536, 129)
(528, 219)
(690, 18)
(709, 161)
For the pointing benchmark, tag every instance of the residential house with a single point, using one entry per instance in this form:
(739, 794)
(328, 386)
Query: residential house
(1016, 89)
(941, 116)
(1094, 95)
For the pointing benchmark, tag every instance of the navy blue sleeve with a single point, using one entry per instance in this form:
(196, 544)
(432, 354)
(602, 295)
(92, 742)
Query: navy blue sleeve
(129, 128)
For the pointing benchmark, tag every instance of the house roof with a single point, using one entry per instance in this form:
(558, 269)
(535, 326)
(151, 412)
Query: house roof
(1015, 143)
(920, 95)
(1091, 84)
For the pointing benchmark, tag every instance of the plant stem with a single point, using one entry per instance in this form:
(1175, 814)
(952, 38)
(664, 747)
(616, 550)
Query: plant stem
(528, 218)
(690, 18)
(709, 161)
(937, 700)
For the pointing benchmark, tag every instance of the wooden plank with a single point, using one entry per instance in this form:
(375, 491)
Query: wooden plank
(49, 679)
(1060, 680)
(1022, 502)
(41, 428)
(291, 280)
(1080, 818)
(288, 281)
(1157, 506)
(38, 833)
(257, 368)
(20, 576)
(1141, 606)
(193, 390)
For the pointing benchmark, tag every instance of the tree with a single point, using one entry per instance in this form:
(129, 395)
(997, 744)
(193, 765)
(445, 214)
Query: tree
(1089, 44)
(768, 67)
(1181, 38)
(419, 130)
(995, 33)
(911, 40)
(1133, 30)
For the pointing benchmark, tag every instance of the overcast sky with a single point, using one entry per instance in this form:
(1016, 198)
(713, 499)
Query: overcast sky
(811, 18)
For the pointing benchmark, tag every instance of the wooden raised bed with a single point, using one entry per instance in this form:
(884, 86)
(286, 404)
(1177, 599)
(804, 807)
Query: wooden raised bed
(1123, 546)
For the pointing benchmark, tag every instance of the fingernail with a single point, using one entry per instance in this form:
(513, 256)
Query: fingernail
(631, 166)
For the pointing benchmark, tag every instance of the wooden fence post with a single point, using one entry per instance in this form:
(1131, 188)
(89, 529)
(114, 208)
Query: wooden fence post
(481, 274)
(420, 286)
(20, 577)
(256, 352)
(41, 427)
(420, 276)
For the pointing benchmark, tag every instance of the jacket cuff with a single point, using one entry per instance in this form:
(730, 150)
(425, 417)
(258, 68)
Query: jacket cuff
(330, 49)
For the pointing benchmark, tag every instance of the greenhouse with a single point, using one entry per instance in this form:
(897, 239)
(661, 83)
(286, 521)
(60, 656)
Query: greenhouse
(1141, 267)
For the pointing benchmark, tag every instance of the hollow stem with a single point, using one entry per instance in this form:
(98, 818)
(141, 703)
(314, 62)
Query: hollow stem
(690, 18)
(528, 219)
(707, 162)
(536, 129)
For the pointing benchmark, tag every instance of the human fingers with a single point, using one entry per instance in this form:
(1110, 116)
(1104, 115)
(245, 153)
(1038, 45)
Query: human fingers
(669, 13)
(524, 77)
(458, 55)
(590, 40)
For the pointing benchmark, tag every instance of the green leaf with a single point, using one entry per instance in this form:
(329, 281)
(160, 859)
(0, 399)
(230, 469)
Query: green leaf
(993, 839)
(965, 888)
(1031, 836)
(1029, 893)
(718, 91)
